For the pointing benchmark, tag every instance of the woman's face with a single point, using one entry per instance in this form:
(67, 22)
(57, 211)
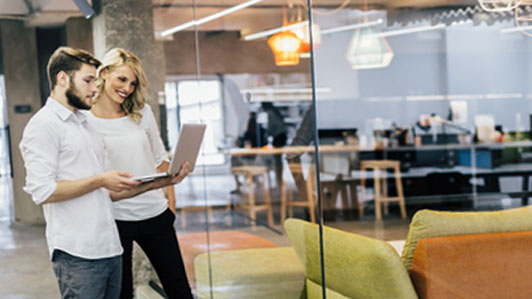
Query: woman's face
(120, 83)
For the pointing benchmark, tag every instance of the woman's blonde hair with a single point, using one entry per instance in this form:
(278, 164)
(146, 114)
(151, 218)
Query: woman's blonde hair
(118, 57)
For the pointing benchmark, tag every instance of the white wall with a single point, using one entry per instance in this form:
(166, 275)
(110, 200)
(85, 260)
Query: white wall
(458, 60)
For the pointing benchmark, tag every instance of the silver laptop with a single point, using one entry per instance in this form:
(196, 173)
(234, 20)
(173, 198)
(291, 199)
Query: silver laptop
(187, 149)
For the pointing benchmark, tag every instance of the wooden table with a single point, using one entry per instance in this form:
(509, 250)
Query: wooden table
(239, 152)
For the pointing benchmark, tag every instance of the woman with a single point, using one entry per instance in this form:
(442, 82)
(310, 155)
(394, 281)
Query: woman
(120, 114)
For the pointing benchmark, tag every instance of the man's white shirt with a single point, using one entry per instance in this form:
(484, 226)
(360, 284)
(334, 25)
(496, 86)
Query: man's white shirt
(59, 145)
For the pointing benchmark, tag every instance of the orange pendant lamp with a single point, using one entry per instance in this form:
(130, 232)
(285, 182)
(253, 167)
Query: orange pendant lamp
(303, 33)
(286, 47)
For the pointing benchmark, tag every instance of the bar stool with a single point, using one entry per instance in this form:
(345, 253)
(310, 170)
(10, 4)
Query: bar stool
(311, 194)
(380, 168)
(249, 172)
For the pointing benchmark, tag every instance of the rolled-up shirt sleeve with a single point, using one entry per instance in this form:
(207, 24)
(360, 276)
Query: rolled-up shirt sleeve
(39, 148)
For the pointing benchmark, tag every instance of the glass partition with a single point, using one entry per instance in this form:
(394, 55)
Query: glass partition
(330, 126)
(222, 71)
(428, 109)
(415, 106)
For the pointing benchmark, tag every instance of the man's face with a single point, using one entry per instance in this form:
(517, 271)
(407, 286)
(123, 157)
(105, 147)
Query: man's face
(82, 87)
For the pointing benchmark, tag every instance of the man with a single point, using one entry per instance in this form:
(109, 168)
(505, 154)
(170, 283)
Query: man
(65, 173)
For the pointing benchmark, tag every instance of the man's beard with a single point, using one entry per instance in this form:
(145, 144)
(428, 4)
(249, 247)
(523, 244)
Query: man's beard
(74, 100)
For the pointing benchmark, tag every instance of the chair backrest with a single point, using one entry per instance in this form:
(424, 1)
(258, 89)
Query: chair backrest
(335, 164)
(355, 266)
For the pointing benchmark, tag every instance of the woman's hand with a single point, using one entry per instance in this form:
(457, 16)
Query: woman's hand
(172, 180)
(138, 188)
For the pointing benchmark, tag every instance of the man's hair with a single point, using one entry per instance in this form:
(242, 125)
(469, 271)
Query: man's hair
(68, 60)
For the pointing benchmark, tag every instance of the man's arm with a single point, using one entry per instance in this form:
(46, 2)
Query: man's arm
(114, 181)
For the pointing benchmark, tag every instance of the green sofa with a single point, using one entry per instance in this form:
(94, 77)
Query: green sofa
(361, 267)
(355, 266)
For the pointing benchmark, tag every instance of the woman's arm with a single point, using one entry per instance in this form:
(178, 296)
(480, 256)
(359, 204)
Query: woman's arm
(168, 190)
(158, 183)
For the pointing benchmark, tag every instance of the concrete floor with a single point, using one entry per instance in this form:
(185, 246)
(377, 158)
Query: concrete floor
(26, 269)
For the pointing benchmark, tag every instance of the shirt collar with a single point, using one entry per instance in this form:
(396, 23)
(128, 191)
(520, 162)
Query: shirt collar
(63, 112)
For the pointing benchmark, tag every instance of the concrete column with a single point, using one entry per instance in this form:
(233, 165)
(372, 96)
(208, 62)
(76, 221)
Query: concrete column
(128, 24)
(21, 75)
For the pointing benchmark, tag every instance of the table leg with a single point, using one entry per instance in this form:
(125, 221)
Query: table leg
(524, 199)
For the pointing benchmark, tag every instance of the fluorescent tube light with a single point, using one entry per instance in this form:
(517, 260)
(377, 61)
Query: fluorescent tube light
(285, 90)
(273, 31)
(209, 18)
(322, 32)
(426, 98)
(408, 30)
(515, 29)
(351, 27)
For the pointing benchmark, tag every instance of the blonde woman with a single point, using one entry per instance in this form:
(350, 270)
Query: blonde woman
(120, 114)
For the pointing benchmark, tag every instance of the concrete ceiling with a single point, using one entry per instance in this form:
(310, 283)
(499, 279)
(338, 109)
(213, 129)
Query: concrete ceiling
(168, 13)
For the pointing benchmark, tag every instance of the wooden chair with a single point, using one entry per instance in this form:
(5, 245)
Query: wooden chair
(249, 172)
(380, 168)
(310, 199)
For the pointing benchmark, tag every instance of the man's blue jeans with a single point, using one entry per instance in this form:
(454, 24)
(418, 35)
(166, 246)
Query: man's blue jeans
(83, 278)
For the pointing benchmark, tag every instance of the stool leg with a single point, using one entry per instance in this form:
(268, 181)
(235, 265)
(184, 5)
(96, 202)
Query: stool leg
(385, 191)
(251, 199)
(283, 202)
(290, 208)
(378, 213)
(311, 208)
(268, 201)
(400, 194)
(363, 194)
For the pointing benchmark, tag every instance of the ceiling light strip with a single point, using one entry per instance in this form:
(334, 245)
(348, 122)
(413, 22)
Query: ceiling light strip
(273, 31)
(266, 33)
(515, 29)
(351, 27)
(284, 90)
(209, 18)
(409, 30)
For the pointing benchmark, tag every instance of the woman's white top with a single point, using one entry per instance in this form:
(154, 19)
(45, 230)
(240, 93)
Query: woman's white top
(137, 149)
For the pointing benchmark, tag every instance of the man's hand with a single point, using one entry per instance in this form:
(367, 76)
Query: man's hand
(117, 181)
(158, 183)
(114, 181)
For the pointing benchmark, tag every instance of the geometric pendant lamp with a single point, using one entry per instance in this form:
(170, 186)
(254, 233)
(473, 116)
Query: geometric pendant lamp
(286, 47)
(367, 51)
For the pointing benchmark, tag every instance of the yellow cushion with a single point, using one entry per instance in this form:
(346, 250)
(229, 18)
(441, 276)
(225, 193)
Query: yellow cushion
(249, 273)
(314, 292)
(355, 266)
(430, 224)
